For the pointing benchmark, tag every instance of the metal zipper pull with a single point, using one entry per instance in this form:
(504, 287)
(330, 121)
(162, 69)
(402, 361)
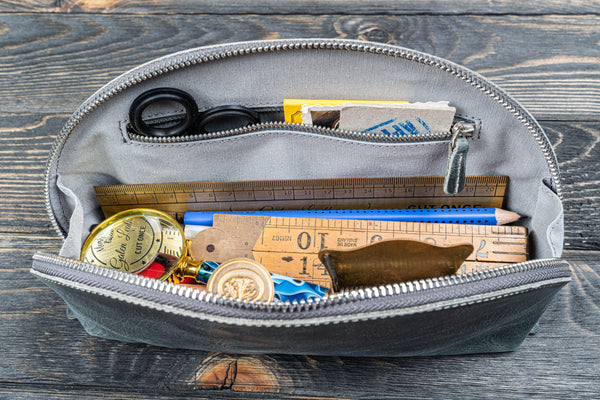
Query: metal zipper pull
(454, 181)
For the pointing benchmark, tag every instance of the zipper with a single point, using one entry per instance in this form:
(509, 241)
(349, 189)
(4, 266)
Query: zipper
(460, 289)
(191, 57)
(270, 125)
(271, 117)
(454, 179)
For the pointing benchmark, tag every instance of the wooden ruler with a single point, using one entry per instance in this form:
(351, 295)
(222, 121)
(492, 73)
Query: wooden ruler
(289, 246)
(401, 192)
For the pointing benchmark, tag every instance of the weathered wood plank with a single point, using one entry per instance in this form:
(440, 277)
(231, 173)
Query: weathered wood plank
(55, 53)
(44, 352)
(577, 147)
(25, 142)
(267, 7)
(555, 73)
(18, 392)
(26, 139)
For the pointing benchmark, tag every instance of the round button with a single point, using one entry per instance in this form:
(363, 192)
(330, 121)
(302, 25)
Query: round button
(242, 279)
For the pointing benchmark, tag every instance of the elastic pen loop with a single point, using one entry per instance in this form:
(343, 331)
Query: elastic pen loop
(156, 95)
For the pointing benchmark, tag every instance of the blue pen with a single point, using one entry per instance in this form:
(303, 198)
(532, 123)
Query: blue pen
(478, 216)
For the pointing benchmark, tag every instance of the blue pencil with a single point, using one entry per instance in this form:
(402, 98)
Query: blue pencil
(477, 216)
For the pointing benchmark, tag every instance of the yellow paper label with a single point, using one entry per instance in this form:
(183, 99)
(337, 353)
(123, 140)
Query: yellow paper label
(293, 113)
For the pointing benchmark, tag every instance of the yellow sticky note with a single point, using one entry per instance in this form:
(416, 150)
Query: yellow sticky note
(293, 113)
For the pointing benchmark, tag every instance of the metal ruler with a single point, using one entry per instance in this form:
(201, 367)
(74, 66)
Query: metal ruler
(399, 192)
(290, 246)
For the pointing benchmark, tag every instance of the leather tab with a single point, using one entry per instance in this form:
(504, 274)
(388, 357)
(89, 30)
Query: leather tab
(454, 181)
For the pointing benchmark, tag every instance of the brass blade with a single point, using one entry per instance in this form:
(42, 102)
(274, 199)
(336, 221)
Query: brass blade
(392, 261)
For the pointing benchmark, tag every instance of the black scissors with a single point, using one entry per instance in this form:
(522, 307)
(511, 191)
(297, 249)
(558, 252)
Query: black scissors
(213, 120)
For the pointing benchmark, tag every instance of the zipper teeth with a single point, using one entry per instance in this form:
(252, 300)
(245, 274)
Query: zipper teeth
(293, 127)
(345, 296)
(190, 57)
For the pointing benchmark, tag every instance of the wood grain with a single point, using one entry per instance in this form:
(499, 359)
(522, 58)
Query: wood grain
(267, 7)
(25, 142)
(55, 53)
(555, 72)
(43, 351)
(26, 139)
(577, 147)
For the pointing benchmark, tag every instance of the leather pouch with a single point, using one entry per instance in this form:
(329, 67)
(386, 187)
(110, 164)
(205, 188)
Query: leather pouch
(488, 311)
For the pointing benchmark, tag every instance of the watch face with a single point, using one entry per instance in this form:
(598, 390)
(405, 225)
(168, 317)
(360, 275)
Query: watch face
(134, 242)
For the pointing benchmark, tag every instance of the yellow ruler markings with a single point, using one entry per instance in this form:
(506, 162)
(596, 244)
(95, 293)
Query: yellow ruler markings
(290, 246)
(309, 268)
(397, 192)
(306, 235)
(476, 266)
(309, 235)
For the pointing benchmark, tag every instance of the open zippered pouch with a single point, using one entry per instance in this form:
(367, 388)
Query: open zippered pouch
(486, 311)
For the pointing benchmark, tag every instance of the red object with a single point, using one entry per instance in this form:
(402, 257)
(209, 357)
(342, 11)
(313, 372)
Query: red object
(188, 281)
(154, 270)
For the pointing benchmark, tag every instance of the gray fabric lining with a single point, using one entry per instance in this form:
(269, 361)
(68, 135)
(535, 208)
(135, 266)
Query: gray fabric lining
(96, 152)
(555, 230)
(72, 244)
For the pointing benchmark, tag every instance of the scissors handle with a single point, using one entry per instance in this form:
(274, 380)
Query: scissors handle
(163, 94)
(220, 118)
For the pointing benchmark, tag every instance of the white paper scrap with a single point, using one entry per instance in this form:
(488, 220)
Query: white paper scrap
(408, 119)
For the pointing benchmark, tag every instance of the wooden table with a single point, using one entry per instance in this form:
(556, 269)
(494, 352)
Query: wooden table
(54, 54)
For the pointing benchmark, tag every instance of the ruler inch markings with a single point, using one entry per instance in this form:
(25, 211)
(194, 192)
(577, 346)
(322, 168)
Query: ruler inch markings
(353, 233)
(334, 193)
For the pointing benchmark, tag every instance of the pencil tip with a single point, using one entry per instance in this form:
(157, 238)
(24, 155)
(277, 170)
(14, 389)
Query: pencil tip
(504, 217)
